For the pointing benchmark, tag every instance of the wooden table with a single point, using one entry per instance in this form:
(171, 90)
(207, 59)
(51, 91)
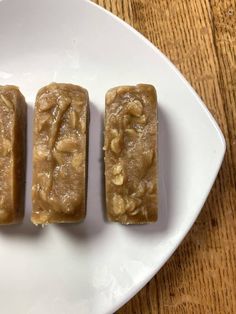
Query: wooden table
(199, 36)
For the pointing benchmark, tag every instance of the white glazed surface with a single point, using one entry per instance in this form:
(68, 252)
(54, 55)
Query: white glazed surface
(95, 267)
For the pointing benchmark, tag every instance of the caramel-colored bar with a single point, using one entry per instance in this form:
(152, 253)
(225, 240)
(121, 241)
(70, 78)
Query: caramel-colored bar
(12, 154)
(131, 154)
(60, 154)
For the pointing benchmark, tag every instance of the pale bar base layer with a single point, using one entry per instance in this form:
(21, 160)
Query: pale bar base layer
(12, 154)
(131, 154)
(60, 154)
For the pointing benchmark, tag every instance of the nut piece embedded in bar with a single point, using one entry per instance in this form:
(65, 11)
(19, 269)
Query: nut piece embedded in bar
(131, 154)
(60, 154)
(12, 154)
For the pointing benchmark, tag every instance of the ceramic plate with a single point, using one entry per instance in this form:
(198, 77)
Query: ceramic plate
(95, 267)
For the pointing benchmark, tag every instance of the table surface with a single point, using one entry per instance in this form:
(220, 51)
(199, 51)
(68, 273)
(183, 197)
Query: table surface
(199, 37)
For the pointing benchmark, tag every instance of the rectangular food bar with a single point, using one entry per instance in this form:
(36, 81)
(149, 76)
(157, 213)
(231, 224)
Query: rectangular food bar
(12, 154)
(60, 154)
(131, 154)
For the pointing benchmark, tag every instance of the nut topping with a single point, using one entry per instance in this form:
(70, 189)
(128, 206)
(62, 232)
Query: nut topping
(142, 119)
(116, 145)
(77, 160)
(130, 205)
(73, 119)
(44, 119)
(67, 145)
(7, 102)
(110, 96)
(5, 147)
(131, 132)
(117, 169)
(135, 108)
(148, 157)
(118, 205)
(118, 179)
(45, 104)
(82, 126)
(41, 152)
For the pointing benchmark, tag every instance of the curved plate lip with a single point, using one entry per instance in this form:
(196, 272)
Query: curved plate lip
(220, 157)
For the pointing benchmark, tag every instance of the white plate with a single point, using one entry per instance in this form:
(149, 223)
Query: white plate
(95, 267)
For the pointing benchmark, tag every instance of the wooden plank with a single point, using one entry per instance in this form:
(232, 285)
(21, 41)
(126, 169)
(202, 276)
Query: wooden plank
(200, 38)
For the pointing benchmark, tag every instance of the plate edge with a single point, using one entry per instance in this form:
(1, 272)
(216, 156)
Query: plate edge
(220, 155)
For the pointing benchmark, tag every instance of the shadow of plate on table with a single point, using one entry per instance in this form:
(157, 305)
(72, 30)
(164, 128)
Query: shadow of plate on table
(165, 175)
(26, 228)
(94, 221)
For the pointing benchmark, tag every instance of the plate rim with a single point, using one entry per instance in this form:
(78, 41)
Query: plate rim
(124, 298)
(220, 156)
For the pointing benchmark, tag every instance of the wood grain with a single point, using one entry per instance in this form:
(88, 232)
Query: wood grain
(199, 36)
